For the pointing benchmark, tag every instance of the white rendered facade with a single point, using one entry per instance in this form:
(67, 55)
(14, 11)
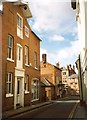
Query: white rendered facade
(81, 16)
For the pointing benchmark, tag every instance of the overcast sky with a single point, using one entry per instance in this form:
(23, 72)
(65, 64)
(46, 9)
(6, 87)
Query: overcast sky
(54, 22)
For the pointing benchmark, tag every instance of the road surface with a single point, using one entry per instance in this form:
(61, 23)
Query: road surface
(62, 108)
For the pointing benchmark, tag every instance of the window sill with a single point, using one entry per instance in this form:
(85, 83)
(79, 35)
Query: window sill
(27, 65)
(26, 92)
(9, 95)
(34, 100)
(10, 60)
(27, 35)
(36, 68)
(20, 36)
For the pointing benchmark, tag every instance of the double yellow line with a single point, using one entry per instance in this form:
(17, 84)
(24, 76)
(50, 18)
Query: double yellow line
(73, 111)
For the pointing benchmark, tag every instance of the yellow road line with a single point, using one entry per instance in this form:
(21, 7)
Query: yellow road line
(73, 110)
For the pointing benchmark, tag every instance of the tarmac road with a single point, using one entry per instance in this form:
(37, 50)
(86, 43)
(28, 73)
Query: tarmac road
(59, 109)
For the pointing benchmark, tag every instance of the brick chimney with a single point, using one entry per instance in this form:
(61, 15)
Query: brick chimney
(70, 66)
(44, 58)
(73, 67)
(57, 65)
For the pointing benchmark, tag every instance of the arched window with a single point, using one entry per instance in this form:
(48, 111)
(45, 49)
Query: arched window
(35, 89)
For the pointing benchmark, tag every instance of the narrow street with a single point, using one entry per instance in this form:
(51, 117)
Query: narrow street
(59, 109)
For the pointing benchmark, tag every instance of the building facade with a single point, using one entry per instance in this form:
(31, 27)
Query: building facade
(53, 75)
(20, 57)
(81, 17)
(66, 72)
(73, 85)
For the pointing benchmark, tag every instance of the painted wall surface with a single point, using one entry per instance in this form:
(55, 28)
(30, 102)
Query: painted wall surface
(82, 29)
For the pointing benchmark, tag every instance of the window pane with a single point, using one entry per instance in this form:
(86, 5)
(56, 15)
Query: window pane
(9, 52)
(9, 77)
(19, 53)
(9, 83)
(10, 46)
(10, 41)
(35, 59)
(26, 55)
(26, 82)
(19, 21)
(35, 89)
(26, 31)
(9, 87)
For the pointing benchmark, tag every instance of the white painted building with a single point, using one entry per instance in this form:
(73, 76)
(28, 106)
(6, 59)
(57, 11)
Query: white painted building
(81, 17)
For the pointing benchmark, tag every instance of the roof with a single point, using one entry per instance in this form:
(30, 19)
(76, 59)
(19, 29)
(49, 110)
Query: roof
(36, 35)
(57, 67)
(52, 65)
(73, 76)
(46, 82)
(23, 5)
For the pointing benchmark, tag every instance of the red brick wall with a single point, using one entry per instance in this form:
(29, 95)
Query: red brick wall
(50, 72)
(10, 27)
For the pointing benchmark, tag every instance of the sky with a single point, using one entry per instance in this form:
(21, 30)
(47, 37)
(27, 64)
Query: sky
(55, 23)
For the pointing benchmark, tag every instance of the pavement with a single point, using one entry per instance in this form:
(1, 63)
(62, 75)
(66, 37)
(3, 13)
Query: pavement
(11, 113)
(79, 111)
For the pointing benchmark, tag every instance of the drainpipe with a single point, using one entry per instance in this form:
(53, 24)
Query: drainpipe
(80, 78)
(78, 65)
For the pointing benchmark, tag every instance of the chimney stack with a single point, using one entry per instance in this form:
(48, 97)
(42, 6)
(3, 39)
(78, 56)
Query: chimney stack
(57, 65)
(44, 58)
(69, 66)
(73, 67)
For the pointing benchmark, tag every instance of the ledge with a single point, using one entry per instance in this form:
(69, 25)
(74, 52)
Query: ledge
(10, 60)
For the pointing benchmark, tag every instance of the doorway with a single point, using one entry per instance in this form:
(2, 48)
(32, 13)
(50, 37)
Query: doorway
(18, 90)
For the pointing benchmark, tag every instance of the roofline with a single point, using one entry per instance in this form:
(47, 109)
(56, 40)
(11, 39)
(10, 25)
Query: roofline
(57, 67)
(53, 65)
(19, 3)
(36, 35)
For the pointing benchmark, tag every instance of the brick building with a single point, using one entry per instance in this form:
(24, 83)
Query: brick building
(52, 75)
(20, 56)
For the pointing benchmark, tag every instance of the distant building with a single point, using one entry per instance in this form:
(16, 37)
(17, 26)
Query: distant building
(20, 56)
(66, 72)
(52, 75)
(73, 85)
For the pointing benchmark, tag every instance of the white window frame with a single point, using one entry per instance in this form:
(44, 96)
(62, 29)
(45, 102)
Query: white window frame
(19, 60)
(9, 83)
(10, 47)
(35, 90)
(26, 31)
(26, 55)
(19, 26)
(26, 83)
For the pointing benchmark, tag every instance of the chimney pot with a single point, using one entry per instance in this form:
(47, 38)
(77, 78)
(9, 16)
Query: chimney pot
(44, 59)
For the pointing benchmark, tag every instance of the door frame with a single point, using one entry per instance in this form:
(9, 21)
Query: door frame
(19, 73)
